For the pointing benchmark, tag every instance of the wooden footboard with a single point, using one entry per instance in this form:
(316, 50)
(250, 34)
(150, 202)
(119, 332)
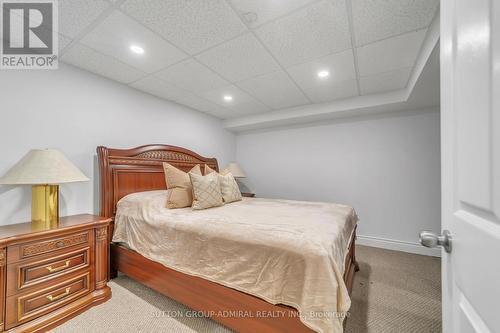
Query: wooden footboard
(215, 300)
(232, 308)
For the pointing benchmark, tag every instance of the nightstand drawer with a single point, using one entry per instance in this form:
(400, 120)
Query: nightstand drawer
(30, 273)
(47, 275)
(27, 306)
(52, 246)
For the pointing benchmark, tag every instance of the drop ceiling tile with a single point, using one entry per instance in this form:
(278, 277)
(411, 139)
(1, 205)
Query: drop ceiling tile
(241, 102)
(341, 69)
(238, 59)
(312, 32)
(191, 75)
(378, 19)
(198, 103)
(224, 113)
(93, 61)
(332, 91)
(159, 88)
(193, 25)
(258, 12)
(390, 54)
(385, 82)
(339, 65)
(201, 104)
(76, 15)
(250, 107)
(63, 42)
(275, 89)
(118, 32)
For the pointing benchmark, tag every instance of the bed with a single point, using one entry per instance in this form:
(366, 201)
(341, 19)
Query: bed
(239, 280)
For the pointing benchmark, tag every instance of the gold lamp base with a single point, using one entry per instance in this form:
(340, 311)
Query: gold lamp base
(44, 206)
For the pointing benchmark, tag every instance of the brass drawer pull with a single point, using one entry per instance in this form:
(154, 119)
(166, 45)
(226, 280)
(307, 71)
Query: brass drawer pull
(52, 269)
(59, 244)
(55, 298)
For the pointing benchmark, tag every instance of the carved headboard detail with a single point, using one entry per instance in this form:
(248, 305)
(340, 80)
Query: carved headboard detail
(125, 171)
(166, 155)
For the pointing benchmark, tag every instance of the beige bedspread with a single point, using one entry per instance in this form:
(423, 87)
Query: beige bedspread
(288, 252)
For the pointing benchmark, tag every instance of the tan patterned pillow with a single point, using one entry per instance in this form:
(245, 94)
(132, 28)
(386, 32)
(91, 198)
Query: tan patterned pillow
(228, 185)
(208, 170)
(179, 184)
(229, 188)
(206, 191)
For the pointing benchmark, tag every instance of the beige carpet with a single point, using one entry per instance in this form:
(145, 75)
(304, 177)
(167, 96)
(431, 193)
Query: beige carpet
(393, 292)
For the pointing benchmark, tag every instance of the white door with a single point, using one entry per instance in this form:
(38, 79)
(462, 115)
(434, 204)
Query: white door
(470, 124)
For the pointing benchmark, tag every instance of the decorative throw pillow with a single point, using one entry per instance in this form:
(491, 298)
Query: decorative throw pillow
(206, 191)
(228, 185)
(179, 184)
(208, 170)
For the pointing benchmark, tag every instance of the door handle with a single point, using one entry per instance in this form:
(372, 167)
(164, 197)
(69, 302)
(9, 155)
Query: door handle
(430, 239)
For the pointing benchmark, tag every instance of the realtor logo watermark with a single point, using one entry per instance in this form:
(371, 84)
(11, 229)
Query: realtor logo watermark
(29, 34)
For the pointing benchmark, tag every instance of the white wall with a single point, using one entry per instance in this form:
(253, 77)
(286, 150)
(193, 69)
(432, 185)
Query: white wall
(387, 167)
(74, 111)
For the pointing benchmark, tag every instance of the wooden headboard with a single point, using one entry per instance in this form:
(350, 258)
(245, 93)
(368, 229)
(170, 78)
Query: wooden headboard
(125, 171)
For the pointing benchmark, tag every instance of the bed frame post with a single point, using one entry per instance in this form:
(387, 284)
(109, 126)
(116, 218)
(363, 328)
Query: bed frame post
(351, 265)
(356, 264)
(105, 209)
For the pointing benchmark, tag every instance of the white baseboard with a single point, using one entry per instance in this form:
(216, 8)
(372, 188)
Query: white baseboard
(392, 244)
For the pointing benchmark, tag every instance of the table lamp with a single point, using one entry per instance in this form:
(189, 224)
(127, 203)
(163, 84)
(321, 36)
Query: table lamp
(45, 169)
(236, 170)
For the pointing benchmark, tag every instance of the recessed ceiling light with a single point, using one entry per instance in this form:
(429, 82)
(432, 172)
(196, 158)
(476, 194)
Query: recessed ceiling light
(228, 98)
(136, 49)
(323, 74)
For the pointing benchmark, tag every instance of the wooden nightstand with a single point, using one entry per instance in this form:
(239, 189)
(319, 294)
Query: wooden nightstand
(48, 275)
(248, 195)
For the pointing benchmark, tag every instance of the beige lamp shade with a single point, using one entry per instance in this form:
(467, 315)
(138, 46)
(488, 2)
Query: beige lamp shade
(236, 170)
(43, 166)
